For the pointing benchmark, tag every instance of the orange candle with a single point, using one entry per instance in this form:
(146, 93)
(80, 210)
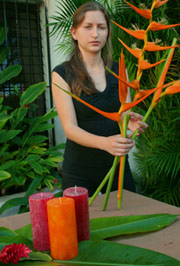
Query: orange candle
(62, 228)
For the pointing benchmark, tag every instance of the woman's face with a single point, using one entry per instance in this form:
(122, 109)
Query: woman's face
(92, 33)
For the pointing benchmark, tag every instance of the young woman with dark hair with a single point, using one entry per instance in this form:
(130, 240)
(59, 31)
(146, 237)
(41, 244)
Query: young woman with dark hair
(92, 140)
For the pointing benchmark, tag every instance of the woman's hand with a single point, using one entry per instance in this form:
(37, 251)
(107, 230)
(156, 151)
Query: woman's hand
(117, 145)
(135, 123)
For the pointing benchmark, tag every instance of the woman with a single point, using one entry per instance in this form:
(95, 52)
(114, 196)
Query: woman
(92, 140)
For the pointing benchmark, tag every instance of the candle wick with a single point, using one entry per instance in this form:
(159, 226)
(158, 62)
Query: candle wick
(75, 189)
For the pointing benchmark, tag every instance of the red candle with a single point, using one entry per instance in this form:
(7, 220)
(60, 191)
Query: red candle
(39, 220)
(80, 196)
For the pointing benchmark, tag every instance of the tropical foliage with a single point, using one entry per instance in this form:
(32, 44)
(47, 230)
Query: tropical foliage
(27, 162)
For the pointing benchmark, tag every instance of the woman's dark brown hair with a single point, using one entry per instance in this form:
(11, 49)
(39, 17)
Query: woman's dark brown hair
(77, 75)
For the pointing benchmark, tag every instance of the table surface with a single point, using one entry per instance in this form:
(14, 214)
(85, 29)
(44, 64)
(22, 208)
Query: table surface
(166, 241)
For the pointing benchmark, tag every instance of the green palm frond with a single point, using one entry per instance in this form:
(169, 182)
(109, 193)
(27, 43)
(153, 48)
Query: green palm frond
(63, 18)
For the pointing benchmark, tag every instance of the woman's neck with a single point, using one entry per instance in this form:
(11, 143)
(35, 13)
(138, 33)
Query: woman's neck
(92, 61)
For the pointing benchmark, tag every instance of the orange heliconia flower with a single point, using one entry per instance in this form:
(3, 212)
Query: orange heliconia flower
(139, 34)
(152, 47)
(143, 64)
(135, 52)
(127, 106)
(123, 90)
(159, 3)
(134, 84)
(142, 93)
(172, 89)
(155, 26)
(146, 13)
(162, 78)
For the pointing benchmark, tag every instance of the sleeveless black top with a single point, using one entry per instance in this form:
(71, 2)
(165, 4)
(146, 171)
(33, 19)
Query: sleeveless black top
(90, 165)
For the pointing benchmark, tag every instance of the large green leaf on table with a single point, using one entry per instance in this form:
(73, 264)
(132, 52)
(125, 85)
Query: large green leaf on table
(9, 73)
(13, 203)
(24, 231)
(7, 232)
(106, 227)
(4, 175)
(102, 252)
(39, 256)
(34, 263)
(7, 240)
(32, 92)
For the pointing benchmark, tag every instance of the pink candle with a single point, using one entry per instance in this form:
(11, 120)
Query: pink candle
(80, 196)
(39, 220)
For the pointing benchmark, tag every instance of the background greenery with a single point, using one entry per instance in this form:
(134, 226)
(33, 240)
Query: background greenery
(27, 162)
(158, 151)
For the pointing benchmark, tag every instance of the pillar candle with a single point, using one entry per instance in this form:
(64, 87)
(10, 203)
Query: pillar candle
(80, 196)
(39, 220)
(62, 228)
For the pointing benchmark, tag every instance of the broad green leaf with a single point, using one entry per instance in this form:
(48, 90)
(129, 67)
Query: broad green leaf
(7, 135)
(25, 231)
(49, 162)
(34, 263)
(49, 115)
(32, 158)
(39, 151)
(2, 34)
(8, 164)
(39, 256)
(34, 185)
(122, 225)
(19, 114)
(36, 166)
(32, 93)
(109, 253)
(37, 139)
(9, 73)
(4, 175)
(43, 127)
(56, 159)
(12, 203)
(7, 232)
(3, 119)
(16, 239)
(3, 54)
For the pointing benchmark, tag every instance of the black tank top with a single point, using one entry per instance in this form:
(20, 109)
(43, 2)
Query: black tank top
(83, 161)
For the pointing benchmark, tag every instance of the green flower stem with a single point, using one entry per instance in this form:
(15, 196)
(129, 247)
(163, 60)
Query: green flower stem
(108, 190)
(144, 119)
(122, 162)
(102, 183)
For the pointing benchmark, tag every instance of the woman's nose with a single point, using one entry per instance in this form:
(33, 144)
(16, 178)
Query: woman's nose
(95, 32)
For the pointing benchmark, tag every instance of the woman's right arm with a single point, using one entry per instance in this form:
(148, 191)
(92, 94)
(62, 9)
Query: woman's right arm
(115, 145)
